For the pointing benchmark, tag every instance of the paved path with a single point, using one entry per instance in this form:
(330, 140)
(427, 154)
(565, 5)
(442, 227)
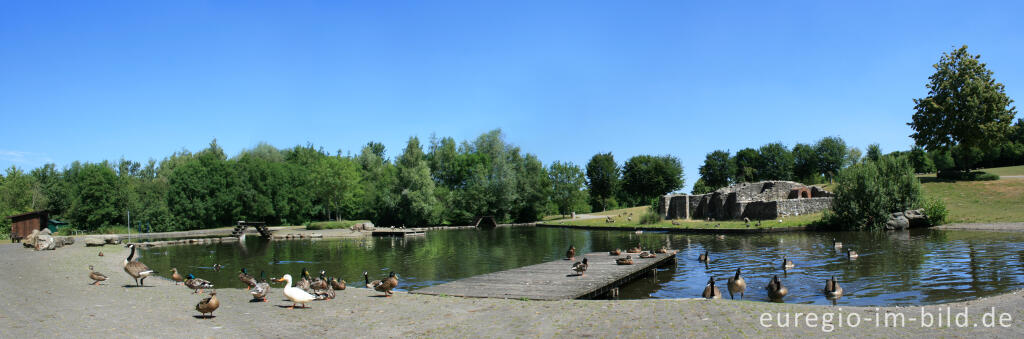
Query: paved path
(991, 226)
(47, 294)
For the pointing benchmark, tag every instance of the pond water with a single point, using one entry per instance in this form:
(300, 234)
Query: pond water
(895, 268)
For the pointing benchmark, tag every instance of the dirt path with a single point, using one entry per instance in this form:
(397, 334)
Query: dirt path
(48, 293)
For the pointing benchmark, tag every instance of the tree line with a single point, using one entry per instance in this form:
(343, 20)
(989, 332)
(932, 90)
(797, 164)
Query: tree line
(440, 183)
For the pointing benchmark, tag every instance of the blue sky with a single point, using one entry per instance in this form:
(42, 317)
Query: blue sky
(563, 79)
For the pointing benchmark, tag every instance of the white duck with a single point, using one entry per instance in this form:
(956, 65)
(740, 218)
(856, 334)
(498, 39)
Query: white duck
(295, 294)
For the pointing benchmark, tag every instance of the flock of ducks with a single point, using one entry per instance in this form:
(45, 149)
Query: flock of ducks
(580, 267)
(776, 291)
(306, 290)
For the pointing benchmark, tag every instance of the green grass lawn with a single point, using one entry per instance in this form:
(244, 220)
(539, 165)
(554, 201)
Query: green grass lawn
(981, 201)
(1001, 171)
(329, 225)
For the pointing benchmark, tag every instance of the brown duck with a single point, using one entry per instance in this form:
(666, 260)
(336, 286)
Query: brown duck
(208, 305)
(628, 260)
(176, 276)
(96, 277)
(616, 252)
(385, 285)
(571, 253)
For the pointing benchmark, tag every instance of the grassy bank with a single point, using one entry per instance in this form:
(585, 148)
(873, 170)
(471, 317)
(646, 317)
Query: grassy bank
(622, 222)
(981, 201)
(330, 225)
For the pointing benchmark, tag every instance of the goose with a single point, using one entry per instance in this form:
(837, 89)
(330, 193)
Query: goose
(775, 289)
(624, 261)
(385, 285)
(787, 264)
(295, 294)
(837, 244)
(197, 285)
(851, 254)
(337, 285)
(96, 277)
(208, 304)
(320, 283)
(647, 255)
(580, 267)
(703, 257)
(176, 276)
(571, 253)
(137, 270)
(616, 252)
(262, 288)
(247, 279)
(832, 288)
(711, 291)
(737, 285)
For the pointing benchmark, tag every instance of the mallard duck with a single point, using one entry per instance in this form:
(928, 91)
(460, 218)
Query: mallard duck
(628, 260)
(703, 257)
(832, 288)
(96, 277)
(775, 289)
(661, 250)
(197, 285)
(295, 294)
(636, 249)
(247, 279)
(385, 285)
(217, 267)
(337, 285)
(647, 255)
(137, 270)
(737, 285)
(787, 264)
(176, 276)
(101, 253)
(304, 283)
(262, 288)
(711, 291)
(319, 283)
(571, 253)
(580, 267)
(851, 254)
(208, 304)
(836, 244)
(616, 252)
(325, 294)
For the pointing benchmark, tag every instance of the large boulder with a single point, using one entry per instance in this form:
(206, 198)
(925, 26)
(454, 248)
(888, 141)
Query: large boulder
(897, 221)
(30, 239)
(45, 242)
(95, 240)
(68, 240)
(916, 218)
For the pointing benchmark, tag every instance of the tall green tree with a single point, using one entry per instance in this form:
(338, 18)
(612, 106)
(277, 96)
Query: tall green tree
(805, 163)
(832, 154)
(776, 162)
(19, 193)
(717, 169)
(602, 180)
(568, 183)
(534, 189)
(96, 197)
(920, 160)
(645, 177)
(874, 152)
(747, 161)
(965, 107)
(379, 176)
(417, 204)
(204, 190)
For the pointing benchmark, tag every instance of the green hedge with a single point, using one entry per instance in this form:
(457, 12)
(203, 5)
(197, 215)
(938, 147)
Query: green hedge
(330, 225)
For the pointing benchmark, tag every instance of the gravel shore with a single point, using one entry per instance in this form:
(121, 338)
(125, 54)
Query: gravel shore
(48, 293)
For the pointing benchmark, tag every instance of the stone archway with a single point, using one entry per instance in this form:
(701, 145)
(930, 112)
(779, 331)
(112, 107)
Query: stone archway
(801, 192)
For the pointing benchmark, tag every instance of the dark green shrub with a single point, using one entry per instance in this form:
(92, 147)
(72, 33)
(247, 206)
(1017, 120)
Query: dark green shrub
(935, 210)
(330, 225)
(649, 218)
(866, 193)
(954, 175)
(982, 176)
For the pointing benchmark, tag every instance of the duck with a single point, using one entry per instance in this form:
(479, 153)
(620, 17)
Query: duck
(661, 250)
(197, 285)
(832, 288)
(247, 279)
(711, 291)
(628, 260)
(385, 285)
(647, 255)
(101, 253)
(836, 244)
(217, 267)
(737, 285)
(787, 264)
(304, 283)
(176, 276)
(703, 257)
(616, 252)
(775, 289)
(261, 289)
(135, 269)
(636, 249)
(571, 253)
(208, 304)
(96, 277)
(295, 294)
(325, 294)
(851, 254)
(337, 285)
(320, 283)
(580, 267)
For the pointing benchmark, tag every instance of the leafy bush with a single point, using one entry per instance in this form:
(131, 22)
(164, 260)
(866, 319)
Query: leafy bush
(650, 217)
(935, 210)
(982, 176)
(866, 193)
(954, 175)
(330, 225)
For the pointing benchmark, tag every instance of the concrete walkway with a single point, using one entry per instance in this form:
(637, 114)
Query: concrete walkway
(48, 293)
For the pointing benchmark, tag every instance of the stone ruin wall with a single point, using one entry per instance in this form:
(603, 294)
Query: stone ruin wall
(756, 201)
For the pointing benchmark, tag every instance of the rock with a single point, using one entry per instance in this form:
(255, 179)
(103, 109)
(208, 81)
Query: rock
(30, 239)
(111, 239)
(69, 241)
(45, 242)
(93, 240)
(916, 218)
(316, 235)
(897, 222)
(45, 231)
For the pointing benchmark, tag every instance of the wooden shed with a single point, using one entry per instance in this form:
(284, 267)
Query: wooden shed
(23, 224)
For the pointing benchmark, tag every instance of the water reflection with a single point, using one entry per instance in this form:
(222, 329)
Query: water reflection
(915, 267)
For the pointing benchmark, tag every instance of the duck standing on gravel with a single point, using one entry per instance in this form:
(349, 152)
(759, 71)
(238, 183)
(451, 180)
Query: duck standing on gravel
(295, 294)
(176, 276)
(96, 277)
(208, 305)
(262, 288)
(137, 270)
(385, 285)
(197, 285)
(247, 279)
